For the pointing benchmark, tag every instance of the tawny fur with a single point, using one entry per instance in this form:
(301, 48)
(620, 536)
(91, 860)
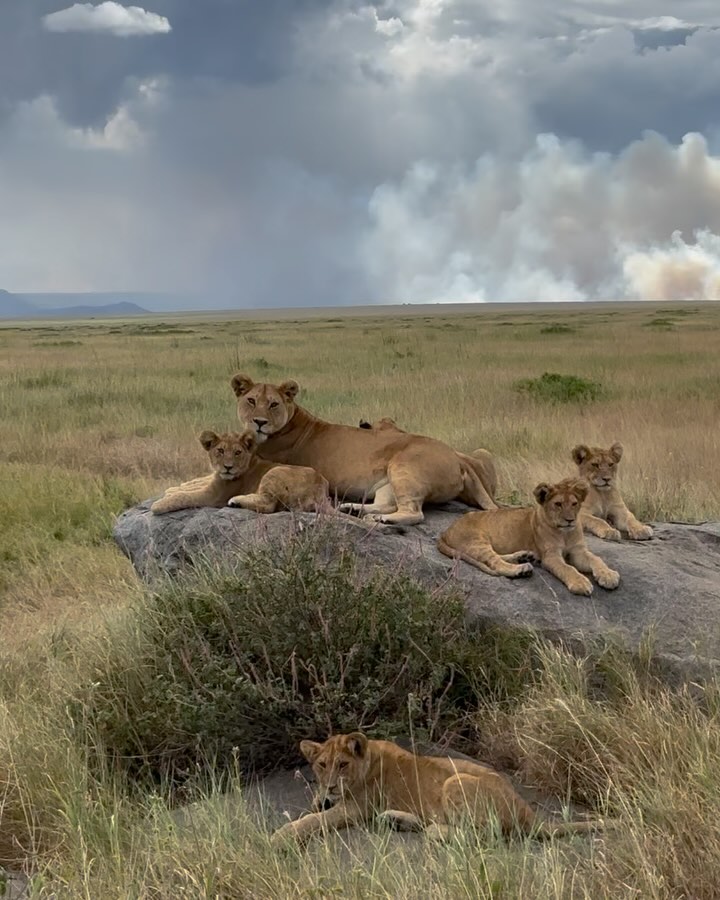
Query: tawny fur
(604, 512)
(398, 472)
(480, 460)
(363, 778)
(240, 478)
(502, 542)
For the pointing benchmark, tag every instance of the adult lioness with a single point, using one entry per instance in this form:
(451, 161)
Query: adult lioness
(604, 506)
(362, 778)
(398, 471)
(239, 478)
(501, 542)
(480, 460)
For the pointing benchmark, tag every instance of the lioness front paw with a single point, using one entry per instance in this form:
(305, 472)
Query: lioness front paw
(524, 570)
(580, 585)
(611, 534)
(608, 579)
(285, 835)
(640, 533)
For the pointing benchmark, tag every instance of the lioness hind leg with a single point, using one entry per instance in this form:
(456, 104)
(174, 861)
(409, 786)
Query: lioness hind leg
(383, 502)
(481, 798)
(259, 503)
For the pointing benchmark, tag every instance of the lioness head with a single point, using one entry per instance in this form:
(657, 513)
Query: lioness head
(340, 763)
(266, 408)
(231, 453)
(561, 502)
(384, 424)
(598, 466)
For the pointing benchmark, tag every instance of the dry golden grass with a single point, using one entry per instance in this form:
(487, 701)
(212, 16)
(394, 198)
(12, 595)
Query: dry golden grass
(98, 415)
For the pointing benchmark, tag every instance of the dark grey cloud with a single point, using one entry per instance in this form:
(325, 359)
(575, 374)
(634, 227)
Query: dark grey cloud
(332, 151)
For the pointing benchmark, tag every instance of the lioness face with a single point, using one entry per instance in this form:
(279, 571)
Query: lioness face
(598, 466)
(266, 408)
(561, 502)
(340, 763)
(231, 453)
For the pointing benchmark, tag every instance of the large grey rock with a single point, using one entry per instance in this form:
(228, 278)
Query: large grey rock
(670, 586)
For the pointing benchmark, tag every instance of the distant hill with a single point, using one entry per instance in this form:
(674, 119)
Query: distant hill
(14, 306)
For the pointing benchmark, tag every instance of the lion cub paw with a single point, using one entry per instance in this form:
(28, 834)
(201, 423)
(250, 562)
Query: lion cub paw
(612, 534)
(609, 579)
(580, 585)
(640, 533)
(524, 570)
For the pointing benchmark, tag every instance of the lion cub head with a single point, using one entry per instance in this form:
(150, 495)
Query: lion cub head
(598, 466)
(266, 408)
(561, 502)
(231, 453)
(340, 763)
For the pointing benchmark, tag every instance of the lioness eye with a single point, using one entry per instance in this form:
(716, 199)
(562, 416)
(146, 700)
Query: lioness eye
(321, 765)
(343, 765)
(274, 404)
(596, 465)
(237, 453)
(558, 503)
(251, 401)
(221, 451)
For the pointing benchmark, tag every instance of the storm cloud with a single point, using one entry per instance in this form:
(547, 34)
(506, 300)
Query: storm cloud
(327, 152)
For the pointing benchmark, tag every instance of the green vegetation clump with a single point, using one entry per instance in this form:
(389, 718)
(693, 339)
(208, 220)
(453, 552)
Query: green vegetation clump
(555, 388)
(661, 324)
(239, 666)
(557, 328)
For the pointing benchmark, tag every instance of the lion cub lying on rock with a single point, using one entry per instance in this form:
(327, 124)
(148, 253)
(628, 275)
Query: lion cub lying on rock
(604, 507)
(239, 478)
(363, 778)
(500, 542)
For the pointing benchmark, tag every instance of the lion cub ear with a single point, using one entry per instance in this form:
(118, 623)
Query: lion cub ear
(363, 424)
(209, 439)
(310, 750)
(241, 384)
(581, 489)
(542, 492)
(248, 440)
(580, 453)
(356, 743)
(616, 451)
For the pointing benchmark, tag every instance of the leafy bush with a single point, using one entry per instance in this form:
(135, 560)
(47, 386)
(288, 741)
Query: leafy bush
(241, 665)
(557, 328)
(556, 388)
(661, 324)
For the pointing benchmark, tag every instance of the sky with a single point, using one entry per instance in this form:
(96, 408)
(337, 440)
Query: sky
(259, 153)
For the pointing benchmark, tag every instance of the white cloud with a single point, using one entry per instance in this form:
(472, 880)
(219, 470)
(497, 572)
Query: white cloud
(108, 18)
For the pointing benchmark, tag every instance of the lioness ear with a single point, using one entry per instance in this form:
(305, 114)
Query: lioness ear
(356, 743)
(363, 424)
(580, 453)
(542, 492)
(289, 389)
(310, 750)
(208, 439)
(580, 489)
(248, 440)
(616, 451)
(241, 384)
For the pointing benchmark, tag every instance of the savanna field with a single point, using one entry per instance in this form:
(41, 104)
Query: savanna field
(98, 415)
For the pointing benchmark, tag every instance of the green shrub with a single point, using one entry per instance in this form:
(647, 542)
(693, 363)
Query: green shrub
(556, 388)
(557, 328)
(661, 324)
(294, 643)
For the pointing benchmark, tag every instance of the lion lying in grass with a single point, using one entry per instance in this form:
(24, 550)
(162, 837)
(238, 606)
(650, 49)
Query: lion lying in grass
(480, 460)
(604, 506)
(502, 542)
(240, 478)
(363, 778)
(399, 472)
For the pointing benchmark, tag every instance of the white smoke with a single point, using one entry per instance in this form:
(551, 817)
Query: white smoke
(558, 224)
(109, 18)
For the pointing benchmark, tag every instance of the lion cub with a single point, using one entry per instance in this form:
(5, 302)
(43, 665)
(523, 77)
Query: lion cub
(499, 542)
(362, 778)
(604, 507)
(239, 478)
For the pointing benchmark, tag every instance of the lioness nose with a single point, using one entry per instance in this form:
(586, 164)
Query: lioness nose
(260, 422)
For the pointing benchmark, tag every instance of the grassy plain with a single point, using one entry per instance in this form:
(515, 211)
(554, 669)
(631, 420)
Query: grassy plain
(99, 414)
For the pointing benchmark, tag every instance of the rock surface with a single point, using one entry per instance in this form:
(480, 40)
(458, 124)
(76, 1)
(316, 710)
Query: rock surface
(670, 586)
